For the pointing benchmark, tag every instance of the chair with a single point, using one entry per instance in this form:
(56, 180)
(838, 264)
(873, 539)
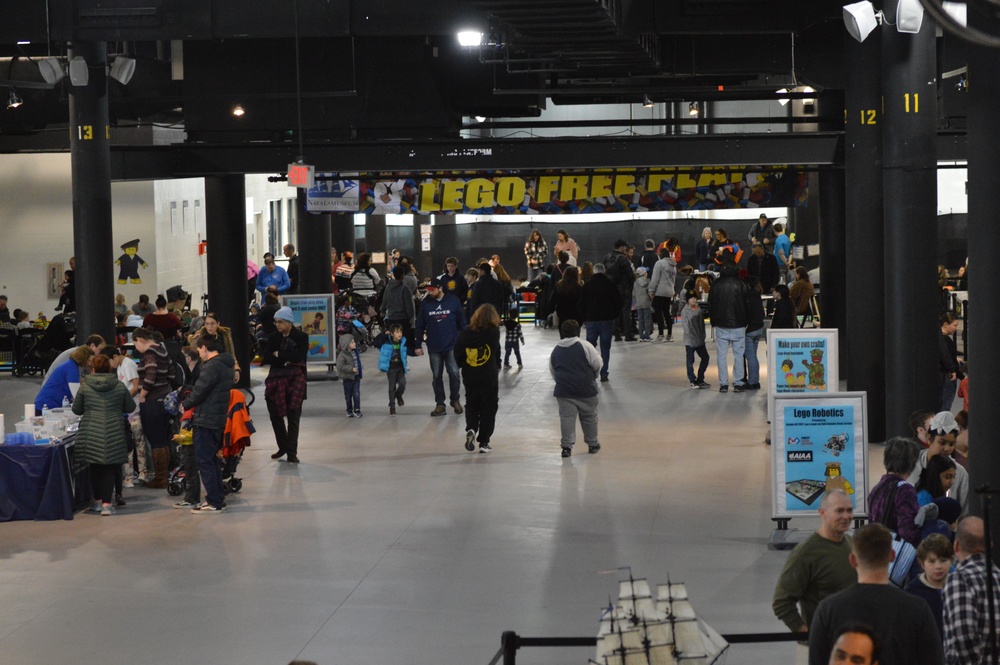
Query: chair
(8, 349)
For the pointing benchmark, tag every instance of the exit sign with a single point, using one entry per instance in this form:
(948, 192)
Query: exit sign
(301, 175)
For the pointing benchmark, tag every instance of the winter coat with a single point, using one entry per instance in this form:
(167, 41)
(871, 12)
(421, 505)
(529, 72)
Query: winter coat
(101, 401)
(385, 354)
(729, 300)
(640, 292)
(397, 302)
(487, 290)
(347, 361)
(364, 282)
(619, 271)
(567, 303)
(600, 300)
(211, 392)
(661, 282)
(440, 320)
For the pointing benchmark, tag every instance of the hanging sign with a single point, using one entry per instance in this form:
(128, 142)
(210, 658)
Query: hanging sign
(301, 175)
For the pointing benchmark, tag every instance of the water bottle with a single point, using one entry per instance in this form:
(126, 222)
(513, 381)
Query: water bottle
(66, 403)
(45, 411)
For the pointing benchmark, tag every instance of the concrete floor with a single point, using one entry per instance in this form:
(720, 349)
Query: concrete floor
(390, 544)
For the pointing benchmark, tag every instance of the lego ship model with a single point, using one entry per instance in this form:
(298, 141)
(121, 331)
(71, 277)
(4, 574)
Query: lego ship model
(641, 630)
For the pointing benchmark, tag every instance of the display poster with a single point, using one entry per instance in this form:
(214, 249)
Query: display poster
(818, 443)
(314, 315)
(801, 361)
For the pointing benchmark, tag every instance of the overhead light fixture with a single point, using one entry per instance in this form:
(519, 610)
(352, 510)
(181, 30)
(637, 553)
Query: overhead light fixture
(480, 118)
(79, 75)
(860, 19)
(14, 100)
(239, 111)
(807, 101)
(470, 38)
(647, 102)
(909, 16)
(122, 69)
(23, 42)
(52, 69)
(783, 100)
(693, 108)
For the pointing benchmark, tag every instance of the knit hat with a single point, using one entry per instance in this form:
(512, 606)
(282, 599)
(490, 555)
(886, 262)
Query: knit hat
(284, 314)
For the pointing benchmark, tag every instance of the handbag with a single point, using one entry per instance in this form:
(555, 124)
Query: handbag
(906, 554)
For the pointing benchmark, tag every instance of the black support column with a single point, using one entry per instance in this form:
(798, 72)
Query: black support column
(375, 239)
(342, 233)
(864, 228)
(313, 233)
(910, 204)
(90, 151)
(984, 277)
(225, 221)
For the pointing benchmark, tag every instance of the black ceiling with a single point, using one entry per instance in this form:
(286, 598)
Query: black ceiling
(392, 70)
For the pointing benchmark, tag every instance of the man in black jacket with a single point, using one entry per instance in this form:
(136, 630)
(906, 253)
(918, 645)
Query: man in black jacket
(620, 271)
(293, 268)
(601, 304)
(488, 290)
(210, 397)
(729, 307)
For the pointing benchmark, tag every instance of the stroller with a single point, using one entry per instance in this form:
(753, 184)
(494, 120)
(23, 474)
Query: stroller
(37, 358)
(362, 335)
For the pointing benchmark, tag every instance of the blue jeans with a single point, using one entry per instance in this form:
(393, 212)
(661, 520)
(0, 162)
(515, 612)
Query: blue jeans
(439, 363)
(645, 318)
(702, 366)
(352, 395)
(602, 330)
(948, 390)
(750, 353)
(206, 447)
(726, 338)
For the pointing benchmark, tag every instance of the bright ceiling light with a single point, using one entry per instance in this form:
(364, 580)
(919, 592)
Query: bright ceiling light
(693, 108)
(480, 118)
(647, 103)
(860, 20)
(958, 11)
(470, 38)
(783, 100)
(14, 100)
(909, 16)
(239, 111)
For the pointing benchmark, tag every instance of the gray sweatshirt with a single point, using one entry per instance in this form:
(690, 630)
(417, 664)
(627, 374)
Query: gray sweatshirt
(693, 322)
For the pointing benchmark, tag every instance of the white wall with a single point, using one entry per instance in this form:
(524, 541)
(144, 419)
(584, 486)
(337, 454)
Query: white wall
(179, 207)
(36, 226)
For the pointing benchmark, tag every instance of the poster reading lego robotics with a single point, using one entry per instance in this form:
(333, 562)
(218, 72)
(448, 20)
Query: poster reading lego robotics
(801, 361)
(819, 443)
(314, 315)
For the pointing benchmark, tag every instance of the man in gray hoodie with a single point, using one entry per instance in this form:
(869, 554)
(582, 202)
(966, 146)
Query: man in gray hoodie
(575, 365)
(210, 397)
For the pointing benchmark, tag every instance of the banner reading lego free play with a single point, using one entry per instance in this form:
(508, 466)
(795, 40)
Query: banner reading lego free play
(314, 314)
(818, 443)
(705, 188)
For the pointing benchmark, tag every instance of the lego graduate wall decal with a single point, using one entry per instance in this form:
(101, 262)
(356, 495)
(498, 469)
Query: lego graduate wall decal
(130, 262)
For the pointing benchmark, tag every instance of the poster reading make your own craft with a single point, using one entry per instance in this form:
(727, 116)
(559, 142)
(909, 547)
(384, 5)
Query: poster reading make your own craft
(313, 314)
(802, 364)
(819, 446)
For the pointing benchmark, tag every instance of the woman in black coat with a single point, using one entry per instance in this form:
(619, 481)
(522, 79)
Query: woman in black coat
(784, 311)
(568, 296)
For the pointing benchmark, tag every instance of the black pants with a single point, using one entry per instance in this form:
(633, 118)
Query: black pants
(662, 315)
(102, 481)
(481, 404)
(623, 322)
(287, 438)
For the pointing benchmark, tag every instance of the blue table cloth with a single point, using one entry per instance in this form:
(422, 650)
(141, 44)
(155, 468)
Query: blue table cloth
(36, 483)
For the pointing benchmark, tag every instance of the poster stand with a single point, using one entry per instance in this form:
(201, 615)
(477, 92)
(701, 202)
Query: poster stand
(315, 315)
(801, 361)
(819, 442)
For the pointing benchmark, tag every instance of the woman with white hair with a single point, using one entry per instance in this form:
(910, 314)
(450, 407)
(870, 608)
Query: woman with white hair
(703, 250)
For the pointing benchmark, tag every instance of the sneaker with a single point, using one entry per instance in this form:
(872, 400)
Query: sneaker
(439, 410)
(738, 388)
(181, 505)
(594, 448)
(630, 338)
(470, 440)
(753, 386)
(659, 338)
(206, 508)
(95, 506)
(506, 365)
(358, 414)
(670, 338)
(566, 452)
(695, 386)
(392, 409)
(292, 459)
(485, 448)
(350, 414)
(457, 406)
(643, 339)
(399, 400)
(519, 366)
(278, 455)
(119, 501)
(702, 384)
(107, 509)
(128, 483)
(723, 389)
(604, 378)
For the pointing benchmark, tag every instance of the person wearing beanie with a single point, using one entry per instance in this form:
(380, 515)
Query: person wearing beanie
(285, 385)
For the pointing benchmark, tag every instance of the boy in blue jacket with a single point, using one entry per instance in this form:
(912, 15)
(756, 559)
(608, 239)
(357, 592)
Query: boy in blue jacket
(392, 361)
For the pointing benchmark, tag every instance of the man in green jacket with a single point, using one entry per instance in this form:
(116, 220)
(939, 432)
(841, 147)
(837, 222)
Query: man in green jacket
(818, 567)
